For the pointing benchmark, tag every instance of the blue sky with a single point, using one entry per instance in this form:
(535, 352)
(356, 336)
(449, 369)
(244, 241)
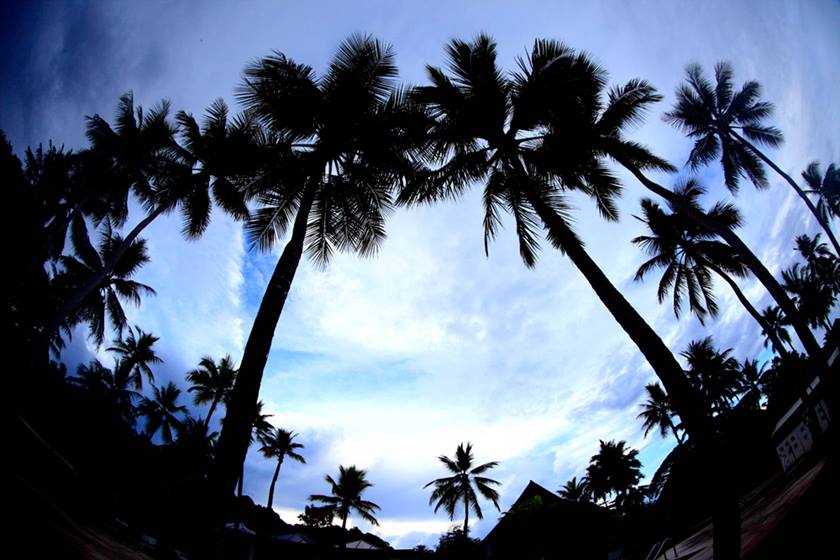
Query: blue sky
(389, 362)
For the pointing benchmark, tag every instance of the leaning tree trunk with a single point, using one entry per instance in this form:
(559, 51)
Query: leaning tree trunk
(826, 228)
(242, 407)
(752, 262)
(274, 482)
(727, 525)
(765, 327)
(213, 406)
(72, 305)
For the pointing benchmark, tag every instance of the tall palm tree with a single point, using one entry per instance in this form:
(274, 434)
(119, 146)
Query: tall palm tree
(716, 374)
(135, 354)
(162, 411)
(115, 285)
(511, 134)
(689, 253)
(143, 158)
(347, 495)
(613, 471)
(211, 382)
(334, 148)
(280, 444)
(576, 490)
(717, 116)
(657, 413)
(459, 487)
(827, 189)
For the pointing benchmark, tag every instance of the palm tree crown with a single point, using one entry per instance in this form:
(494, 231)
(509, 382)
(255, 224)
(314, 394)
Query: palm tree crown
(347, 495)
(657, 413)
(614, 470)
(280, 444)
(576, 490)
(211, 382)
(135, 354)
(827, 189)
(162, 411)
(450, 490)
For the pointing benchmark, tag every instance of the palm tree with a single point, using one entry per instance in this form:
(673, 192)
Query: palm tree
(280, 444)
(827, 189)
(776, 323)
(613, 471)
(513, 136)
(112, 386)
(689, 253)
(717, 375)
(135, 354)
(162, 411)
(657, 413)
(576, 490)
(347, 494)
(334, 149)
(713, 117)
(114, 286)
(211, 382)
(144, 159)
(459, 487)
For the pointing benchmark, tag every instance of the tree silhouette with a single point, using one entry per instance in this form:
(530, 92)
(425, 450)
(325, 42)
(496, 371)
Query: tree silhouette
(279, 444)
(576, 490)
(450, 490)
(347, 495)
(211, 382)
(657, 413)
(162, 411)
(334, 148)
(135, 354)
(716, 117)
(716, 374)
(613, 471)
(827, 189)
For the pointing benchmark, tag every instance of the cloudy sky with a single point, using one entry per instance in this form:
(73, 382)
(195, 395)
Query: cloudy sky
(389, 362)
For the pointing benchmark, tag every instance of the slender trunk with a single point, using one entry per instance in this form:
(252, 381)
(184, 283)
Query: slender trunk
(674, 431)
(765, 327)
(242, 408)
(213, 406)
(274, 482)
(466, 517)
(826, 228)
(752, 262)
(663, 362)
(72, 305)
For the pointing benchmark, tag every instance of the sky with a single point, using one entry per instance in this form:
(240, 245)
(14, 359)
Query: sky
(389, 362)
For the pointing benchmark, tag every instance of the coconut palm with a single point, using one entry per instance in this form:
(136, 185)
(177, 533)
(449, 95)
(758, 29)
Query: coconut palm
(115, 286)
(716, 117)
(613, 471)
(279, 444)
(135, 354)
(716, 374)
(334, 149)
(511, 135)
(211, 382)
(814, 284)
(827, 189)
(576, 490)
(776, 326)
(143, 158)
(112, 386)
(347, 495)
(448, 491)
(657, 413)
(689, 254)
(162, 410)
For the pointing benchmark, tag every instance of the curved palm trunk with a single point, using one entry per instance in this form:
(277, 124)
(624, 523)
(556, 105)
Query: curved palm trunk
(213, 406)
(661, 359)
(242, 408)
(826, 228)
(274, 482)
(72, 305)
(777, 344)
(752, 262)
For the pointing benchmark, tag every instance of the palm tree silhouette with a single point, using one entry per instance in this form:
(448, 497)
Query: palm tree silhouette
(347, 495)
(613, 471)
(334, 149)
(713, 117)
(211, 382)
(135, 354)
(576, 490)
(717, 375)
(113, 287)
(776, 323)
(657, 413)
(459, 487)
(689, 253)
(113, 386)
(815, 284)
(279, 443)
(827, 189)
(525, 138)
(162, 411)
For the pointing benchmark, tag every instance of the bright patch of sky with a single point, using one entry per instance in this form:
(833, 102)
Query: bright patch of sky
(389, 362)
